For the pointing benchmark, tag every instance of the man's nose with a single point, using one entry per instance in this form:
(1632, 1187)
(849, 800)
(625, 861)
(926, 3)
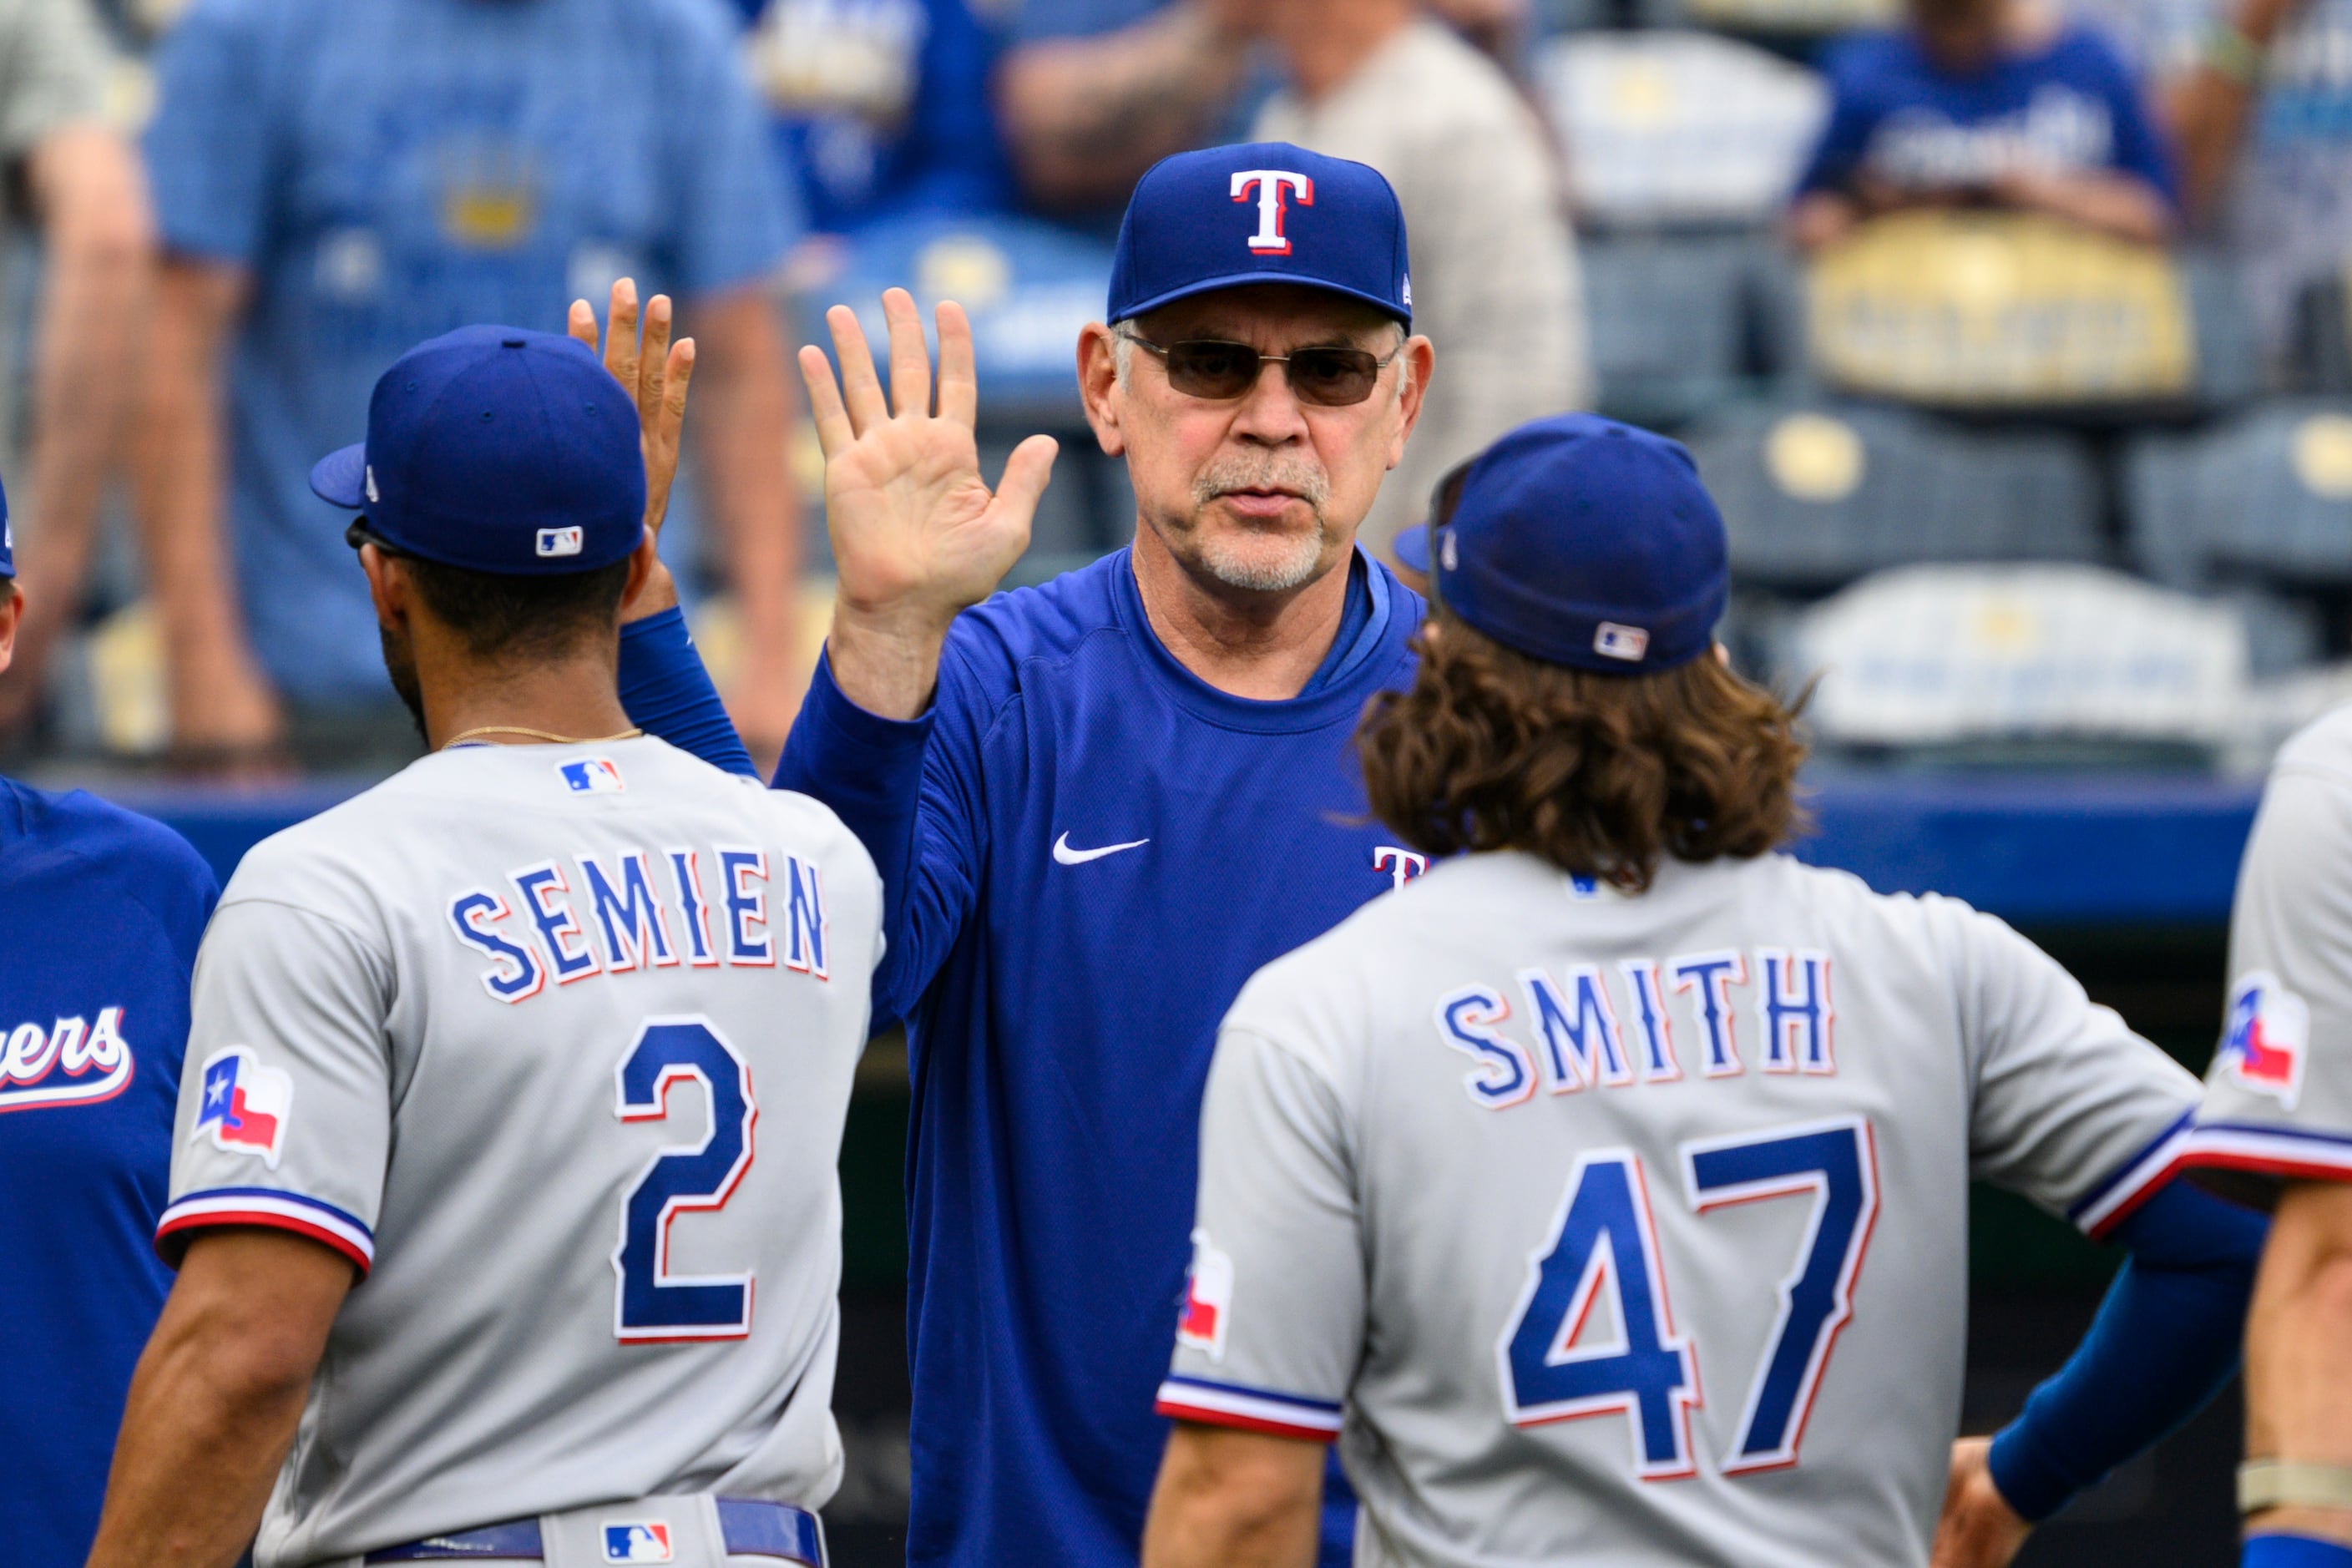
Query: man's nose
(1270, 412)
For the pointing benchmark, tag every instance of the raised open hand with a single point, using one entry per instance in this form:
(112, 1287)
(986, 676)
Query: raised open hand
(657, 376)
(917, 533)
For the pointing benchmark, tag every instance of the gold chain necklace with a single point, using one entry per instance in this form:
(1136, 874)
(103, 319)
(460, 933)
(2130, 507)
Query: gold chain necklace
(551, 739)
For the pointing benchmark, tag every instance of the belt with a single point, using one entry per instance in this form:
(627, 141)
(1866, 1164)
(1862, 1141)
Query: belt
(747, 1528)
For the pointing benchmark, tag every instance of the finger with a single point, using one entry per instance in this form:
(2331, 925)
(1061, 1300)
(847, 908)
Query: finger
(859, 389)
(621, 334)
(825, 410)
(1026, 476)
(677, 376)
(654, 357)
(581, 324)
(959, 382)
(911, 356)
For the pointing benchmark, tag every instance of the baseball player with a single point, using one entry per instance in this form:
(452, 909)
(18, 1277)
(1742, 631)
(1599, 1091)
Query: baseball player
(503, 1190)
(99, 916)
(1099, 805)
(2276, 1128)
(1604, 1193)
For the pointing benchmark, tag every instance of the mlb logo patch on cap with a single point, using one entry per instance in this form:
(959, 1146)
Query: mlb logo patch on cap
(555, 542)
(592, 775)
(1613, 641)
(2263, 1041)
(637, 1542)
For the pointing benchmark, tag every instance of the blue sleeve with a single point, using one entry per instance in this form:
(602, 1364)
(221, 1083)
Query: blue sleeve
(909, 790)
(1845, 136)
(733, 219)
(207, 149)
(2141, 148)
(2294, 1551)
(667, 693)
(2165, 1340)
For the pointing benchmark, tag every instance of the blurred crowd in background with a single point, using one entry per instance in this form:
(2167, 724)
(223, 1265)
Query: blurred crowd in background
(2013, 335)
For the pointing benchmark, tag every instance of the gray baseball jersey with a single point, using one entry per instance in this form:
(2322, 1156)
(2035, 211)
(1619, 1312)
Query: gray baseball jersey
(554, 1043)
(1634, 1230)
(2278, 1097)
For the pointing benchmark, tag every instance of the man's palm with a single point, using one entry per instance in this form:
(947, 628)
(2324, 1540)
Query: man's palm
(916, 531)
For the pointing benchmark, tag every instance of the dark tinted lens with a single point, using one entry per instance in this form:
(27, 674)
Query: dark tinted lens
(1210, 369)
(1336, 377)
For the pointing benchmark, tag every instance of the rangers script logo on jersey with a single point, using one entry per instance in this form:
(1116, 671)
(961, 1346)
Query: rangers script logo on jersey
(69, 1063)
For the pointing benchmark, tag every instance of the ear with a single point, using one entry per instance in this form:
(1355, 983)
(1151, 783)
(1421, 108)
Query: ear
(642, 562)
(1098, 386)
(388, 587)
(1419, 358)
(12, 610)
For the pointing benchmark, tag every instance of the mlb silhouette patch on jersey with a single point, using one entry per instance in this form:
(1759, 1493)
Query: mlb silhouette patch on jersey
(592, 775)
(245, 1104)
(2263, 1044)
(637, 1543)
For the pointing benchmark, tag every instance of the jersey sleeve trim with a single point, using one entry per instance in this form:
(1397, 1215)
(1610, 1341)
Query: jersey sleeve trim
(266, 1206)
(2284, 1151)
(2111, 1202)
(1250, 1409)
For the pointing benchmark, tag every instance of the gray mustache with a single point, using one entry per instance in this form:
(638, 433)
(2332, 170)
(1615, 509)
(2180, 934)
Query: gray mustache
(1310, 485)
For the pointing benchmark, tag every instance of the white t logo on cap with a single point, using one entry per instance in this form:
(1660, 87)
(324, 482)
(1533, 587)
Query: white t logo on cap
(1269, 239)
(1613, 641)
(555, 542)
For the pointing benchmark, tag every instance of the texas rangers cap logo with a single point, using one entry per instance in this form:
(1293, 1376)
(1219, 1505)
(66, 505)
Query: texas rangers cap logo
(2263, 1045)
(1273, 188)
(245, 1104)
(637, 1541)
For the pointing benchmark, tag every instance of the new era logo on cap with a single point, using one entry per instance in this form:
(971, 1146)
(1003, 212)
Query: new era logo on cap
(1613, 641)
(554, 541)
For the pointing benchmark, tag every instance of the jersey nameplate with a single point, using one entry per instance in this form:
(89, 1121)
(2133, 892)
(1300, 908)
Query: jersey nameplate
(575, 919)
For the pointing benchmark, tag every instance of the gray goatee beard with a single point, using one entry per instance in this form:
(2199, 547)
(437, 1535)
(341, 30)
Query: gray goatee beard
(1228, 558)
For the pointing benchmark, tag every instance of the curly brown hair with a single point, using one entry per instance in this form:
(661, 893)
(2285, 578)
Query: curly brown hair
(1599, 774)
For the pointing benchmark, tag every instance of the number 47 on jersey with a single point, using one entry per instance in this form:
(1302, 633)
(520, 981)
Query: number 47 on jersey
(1605, 1241)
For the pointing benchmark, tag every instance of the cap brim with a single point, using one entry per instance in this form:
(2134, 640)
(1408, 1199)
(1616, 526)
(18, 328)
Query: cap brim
(1411, 548)
(339, 478)
(1243, 279)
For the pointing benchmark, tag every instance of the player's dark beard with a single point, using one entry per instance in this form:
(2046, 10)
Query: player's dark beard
(400, 664)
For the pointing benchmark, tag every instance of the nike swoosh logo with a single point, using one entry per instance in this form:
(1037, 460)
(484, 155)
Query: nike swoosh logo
(1065, 855)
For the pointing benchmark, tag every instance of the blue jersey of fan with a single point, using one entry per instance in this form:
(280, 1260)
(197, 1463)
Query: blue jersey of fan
(99, 915)
(1087, 849)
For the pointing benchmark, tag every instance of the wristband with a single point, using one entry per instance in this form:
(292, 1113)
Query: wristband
(2231, 53)
(2281, 1483)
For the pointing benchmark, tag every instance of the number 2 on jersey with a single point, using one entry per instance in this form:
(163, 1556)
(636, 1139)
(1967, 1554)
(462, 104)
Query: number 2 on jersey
(1605, 1240)
(650, 1304)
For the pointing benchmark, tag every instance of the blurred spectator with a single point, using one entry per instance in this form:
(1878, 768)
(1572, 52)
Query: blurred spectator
(2259, 96)
(81, 183)
(1495, 283)
(1094, 92)
(881, 106)
(1986, 102)
(335, 183)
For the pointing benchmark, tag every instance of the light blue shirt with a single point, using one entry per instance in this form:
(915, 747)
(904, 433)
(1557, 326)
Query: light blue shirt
(389, 170)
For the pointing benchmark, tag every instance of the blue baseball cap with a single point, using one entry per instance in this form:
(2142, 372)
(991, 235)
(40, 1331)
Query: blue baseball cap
(498, 450)
(1582, 542)
(7, 539)
(1265, 212)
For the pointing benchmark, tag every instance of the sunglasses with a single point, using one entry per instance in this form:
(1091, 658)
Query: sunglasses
(1221, 371)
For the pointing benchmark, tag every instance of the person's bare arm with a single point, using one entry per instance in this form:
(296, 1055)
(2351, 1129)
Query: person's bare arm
(221, 704)
(90, 200)
(2121, 205)
(1085, 117)
(917, 535)
(2299, 1349)
(2210, 102)
(745, 425)
(1227, 1499)
(215, 1399)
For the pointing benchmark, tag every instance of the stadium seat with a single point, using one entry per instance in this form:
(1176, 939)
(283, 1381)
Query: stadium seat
(2265, 497)
(1678, 128)
(2053, 659)
(1815, 495)
(2020, 312)
(1671, 320)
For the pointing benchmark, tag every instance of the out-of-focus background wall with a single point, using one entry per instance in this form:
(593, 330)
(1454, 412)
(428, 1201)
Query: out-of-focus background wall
(2014, 336)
